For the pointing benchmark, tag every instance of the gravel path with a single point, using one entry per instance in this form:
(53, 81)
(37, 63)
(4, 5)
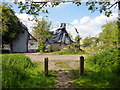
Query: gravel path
(63, 79)
(62, 64)
(36, 57)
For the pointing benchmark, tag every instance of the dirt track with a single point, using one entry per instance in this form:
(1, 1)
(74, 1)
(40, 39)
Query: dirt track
(63, 64)
(36, 57)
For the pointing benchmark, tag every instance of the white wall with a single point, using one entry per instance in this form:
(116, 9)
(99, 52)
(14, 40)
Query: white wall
(20, 45)
(32, 46)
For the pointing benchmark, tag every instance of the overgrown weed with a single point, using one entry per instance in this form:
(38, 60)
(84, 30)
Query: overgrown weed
(100, 71)
(19, 72)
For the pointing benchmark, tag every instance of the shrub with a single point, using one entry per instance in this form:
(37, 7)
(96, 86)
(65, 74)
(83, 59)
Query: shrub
(100, 71)
(105, 59)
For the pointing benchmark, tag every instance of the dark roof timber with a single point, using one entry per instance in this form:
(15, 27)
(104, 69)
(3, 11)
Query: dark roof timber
(60, 36)
(27, 31)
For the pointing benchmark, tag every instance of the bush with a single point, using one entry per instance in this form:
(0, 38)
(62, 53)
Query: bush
(42, 47)
(100, 71)
(105, 60)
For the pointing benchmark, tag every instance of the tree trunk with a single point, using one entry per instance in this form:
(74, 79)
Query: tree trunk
(119, 5)
(119, 37)
(2, 45)
(11, 47)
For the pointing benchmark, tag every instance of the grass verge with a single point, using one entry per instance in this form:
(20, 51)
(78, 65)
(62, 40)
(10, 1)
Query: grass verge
(62, 65)
(100, 71)
(19, 72)
(68, 52)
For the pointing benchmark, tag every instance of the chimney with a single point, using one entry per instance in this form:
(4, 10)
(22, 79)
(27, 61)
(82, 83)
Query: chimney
(63, 25)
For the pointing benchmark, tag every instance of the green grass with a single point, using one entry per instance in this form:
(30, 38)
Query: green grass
(100, 71)
(19, 72)
(67, 52)
(62, 64)
(93, 79)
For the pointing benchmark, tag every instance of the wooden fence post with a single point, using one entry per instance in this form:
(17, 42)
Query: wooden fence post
(46, 66)
(81, 65)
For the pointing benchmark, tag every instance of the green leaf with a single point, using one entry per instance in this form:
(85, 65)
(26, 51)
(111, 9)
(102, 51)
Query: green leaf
(43, 11)
(19, 7)
(100, 10)
(104, 8)
(36, 13)
(86, 3)
(21, 3)
(10, 5)
(15, 2)
(46, 11)
(90, 8)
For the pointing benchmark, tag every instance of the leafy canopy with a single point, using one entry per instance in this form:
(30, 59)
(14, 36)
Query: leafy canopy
(41, 32)
(88, 41)
(11, 25)
(41, 29)
(107, 38)
(35, 8)
(77, 37)
(109, 35)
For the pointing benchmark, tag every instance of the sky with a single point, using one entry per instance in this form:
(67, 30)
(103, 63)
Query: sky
(87, 23)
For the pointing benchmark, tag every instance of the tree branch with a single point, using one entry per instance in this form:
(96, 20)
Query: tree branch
(43, 4)
(112, 5)
(41, 7)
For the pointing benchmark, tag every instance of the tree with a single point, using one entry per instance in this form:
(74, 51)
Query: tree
(34, 8)
(77, 37)
(70, 35)
(109, 34)
(11, 26)
(41, 33)
(0, 27)
(87, 42)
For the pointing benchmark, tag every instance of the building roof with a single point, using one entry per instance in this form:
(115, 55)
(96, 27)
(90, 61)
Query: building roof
(60, 36)
(27, 31)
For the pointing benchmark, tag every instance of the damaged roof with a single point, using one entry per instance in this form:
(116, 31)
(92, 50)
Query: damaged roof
(60, 36)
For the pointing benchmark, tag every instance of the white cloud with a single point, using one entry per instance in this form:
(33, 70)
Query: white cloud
(24, 19)
(92, 26)
(23, 1)
(75, 21)
(84, 20)
(102, 19)
(87, 26)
